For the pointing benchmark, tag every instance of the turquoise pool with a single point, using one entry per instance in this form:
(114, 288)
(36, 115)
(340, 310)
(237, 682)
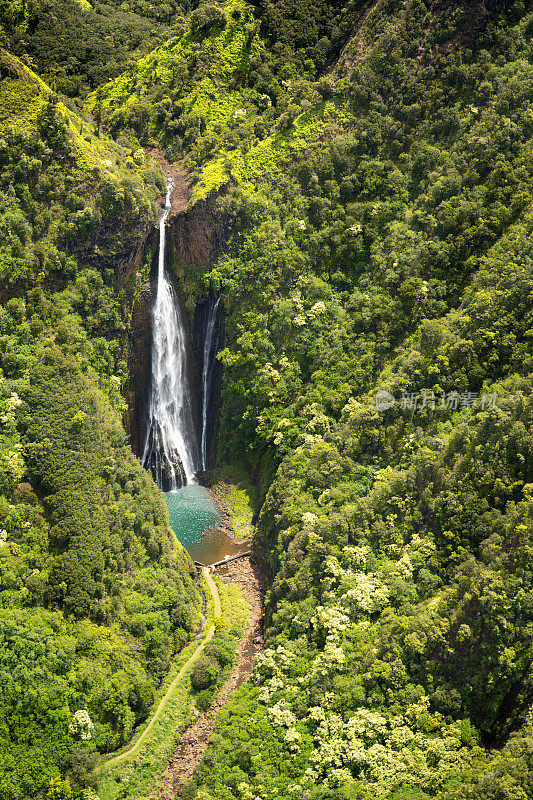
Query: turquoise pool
(193, 517)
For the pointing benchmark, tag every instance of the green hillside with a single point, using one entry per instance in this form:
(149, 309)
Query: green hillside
(96, 595)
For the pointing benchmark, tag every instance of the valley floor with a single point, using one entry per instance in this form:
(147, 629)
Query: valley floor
(193, 743)
(183, 671)
(238, 584)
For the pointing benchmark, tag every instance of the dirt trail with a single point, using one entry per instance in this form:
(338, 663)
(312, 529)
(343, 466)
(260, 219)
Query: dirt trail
(193, 744)
(213, 589)
(164, 700)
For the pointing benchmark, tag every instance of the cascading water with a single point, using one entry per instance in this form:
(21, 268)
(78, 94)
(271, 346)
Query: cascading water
(171, 447)
(211, 345)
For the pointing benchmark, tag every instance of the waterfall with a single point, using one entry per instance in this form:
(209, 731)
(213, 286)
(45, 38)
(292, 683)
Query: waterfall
(171, 448)
(208, 368)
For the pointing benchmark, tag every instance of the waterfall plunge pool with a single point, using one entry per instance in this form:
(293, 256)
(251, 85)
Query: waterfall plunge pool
(172, 450)
(193, 517)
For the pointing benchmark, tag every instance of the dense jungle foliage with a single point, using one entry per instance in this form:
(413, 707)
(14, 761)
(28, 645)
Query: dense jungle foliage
(381, 241)
(76, 46)
(375, 161)
(95, 594)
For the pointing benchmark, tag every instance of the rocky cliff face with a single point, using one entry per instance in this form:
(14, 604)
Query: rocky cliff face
(139, 361)
(118, 245)
(130, 262)
(199, 235)
(200, 322)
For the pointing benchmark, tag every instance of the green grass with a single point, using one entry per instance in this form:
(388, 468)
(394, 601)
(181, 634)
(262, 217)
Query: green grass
(138, 777)
(242, 512)
(240, 500)
(235, 608)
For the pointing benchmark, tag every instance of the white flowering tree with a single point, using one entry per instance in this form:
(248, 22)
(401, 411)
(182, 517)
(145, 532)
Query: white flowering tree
(81, 725)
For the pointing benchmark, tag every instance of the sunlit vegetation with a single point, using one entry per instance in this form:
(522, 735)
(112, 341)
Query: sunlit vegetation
(76, 45)
(138, 776)
(240, 497)
(388, 247)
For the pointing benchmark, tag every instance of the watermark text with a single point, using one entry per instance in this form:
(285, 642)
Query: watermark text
(450, 401)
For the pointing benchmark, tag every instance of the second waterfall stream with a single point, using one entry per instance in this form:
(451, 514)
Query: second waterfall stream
(211, 344)
(171, 449)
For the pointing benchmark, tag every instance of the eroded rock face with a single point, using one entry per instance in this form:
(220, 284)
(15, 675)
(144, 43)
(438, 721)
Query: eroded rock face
(214, 383)
(127, 266)
(118, 245)
(140, 346)
(200, 234)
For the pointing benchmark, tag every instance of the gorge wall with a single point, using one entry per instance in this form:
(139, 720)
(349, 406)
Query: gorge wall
(195, 239)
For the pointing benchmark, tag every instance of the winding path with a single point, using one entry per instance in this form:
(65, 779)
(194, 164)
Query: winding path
(192, 745)
(164, 700)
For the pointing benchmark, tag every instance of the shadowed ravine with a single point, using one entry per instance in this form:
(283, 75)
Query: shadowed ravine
(211, 344)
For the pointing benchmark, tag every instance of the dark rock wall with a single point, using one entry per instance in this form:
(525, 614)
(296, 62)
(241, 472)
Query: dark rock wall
(201, 314)
(140, 366)
(200, 234)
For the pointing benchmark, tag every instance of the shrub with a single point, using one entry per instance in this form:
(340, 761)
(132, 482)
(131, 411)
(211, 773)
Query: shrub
(204, 673)
(204, 699)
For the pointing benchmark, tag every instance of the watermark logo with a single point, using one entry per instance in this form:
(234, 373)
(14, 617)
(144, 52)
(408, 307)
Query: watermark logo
(451, 401)
(384, 400)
